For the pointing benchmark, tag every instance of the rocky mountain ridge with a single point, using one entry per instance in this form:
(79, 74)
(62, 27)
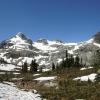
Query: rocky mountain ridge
(19, 49)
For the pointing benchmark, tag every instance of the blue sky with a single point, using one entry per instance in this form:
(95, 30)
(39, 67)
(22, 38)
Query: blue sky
(67, 20)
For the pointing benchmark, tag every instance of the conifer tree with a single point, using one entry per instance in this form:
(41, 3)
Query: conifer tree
(66, 54)
(33, 66)
(53, 66)
(71, 60)
(25, 67)
(96, 57)
(77, 61)
(63, 64)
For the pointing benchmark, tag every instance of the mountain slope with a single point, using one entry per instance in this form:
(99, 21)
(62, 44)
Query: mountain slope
(19, 49)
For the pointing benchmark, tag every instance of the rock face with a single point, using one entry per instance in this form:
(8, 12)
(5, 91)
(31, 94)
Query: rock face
(97, 37)
(44, 41)
(19, 49)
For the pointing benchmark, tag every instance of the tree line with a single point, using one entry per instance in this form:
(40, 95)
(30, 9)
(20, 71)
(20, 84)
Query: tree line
(68, 61)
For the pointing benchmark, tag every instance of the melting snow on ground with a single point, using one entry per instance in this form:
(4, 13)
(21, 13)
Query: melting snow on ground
(16, 73)
(36, 74)
(84, 68)
(59, 60)
(46, 78)
(8, 67)
(8, 91)
(90, 77)
(45, 70)
(2, 72)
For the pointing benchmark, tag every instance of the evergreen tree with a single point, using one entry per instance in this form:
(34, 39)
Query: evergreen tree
(66, 54)
(66, 63)
(63, 64)
(33, 66)
(96, 58)
(53, 66)
(71, 60)
(25, 67)
(77, 61)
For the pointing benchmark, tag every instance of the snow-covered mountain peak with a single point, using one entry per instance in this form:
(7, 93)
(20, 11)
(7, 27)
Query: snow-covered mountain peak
(21, 35)
(20, 38)
(17, 42)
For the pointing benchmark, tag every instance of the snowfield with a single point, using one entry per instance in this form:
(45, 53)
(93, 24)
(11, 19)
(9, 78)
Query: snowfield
(90, 77)
(8, 91)
(43, 47)
(8, 67)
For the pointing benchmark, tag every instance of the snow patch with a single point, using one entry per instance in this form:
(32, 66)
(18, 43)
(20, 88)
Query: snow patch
(46, 78)
(59, 60)
(2, 72)
(17, 79)
(90, 77)
(90, 41)
(70, 51)
(27, 59)
(8, 67)
(15, 73)
(96, 44)
(8, 92)
(54, 42)
(76, 47)
(70, 44)
(84, 68)
(36, 74)
(43, 47)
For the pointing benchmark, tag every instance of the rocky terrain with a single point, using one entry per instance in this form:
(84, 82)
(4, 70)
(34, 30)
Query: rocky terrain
(18, 49)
